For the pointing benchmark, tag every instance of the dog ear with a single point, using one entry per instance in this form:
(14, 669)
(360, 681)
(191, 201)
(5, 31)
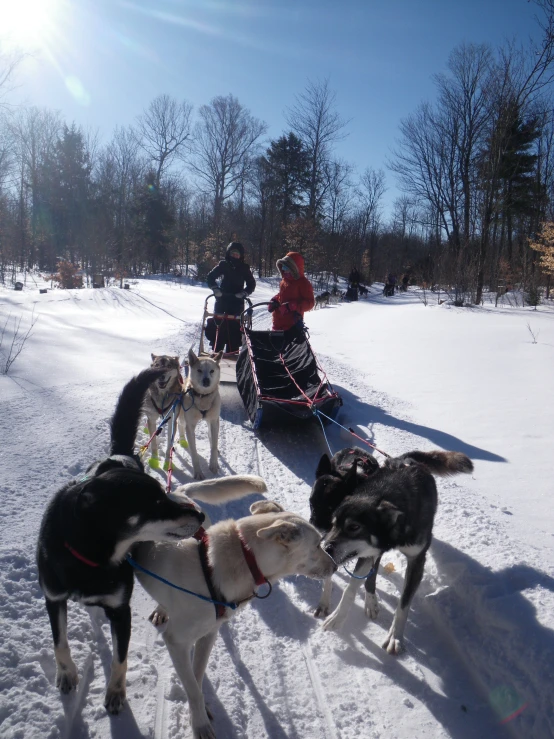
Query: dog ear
(390, 512)
(324, 466)
(217, 357)
(282, 532)
(265, 506)
(192, 357)
(350, 479)
(153, 357)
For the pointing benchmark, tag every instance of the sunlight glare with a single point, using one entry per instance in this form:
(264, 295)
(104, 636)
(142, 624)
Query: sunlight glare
(28, 24)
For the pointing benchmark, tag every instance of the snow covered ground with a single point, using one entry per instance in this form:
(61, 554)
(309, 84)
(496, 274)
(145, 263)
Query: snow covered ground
(480, 642)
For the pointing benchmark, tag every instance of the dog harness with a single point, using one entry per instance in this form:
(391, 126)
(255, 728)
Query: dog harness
(196, 394)
(200, 535)
(203, 540)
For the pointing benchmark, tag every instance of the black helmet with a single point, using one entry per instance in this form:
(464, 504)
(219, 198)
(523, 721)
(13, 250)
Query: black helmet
(235, 246)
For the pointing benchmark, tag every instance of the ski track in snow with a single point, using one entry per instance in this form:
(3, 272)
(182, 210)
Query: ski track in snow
(463, 635)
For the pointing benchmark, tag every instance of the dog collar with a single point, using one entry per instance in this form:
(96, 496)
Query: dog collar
(259, 577)
(202, 395)
(80, 557)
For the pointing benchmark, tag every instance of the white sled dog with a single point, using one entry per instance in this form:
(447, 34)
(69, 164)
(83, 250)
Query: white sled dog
(202, 401)
(235, 557)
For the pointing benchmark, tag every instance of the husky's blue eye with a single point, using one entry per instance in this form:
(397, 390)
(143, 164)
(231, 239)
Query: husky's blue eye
(211, 372)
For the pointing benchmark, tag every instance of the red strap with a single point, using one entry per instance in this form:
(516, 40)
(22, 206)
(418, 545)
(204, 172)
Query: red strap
(76, 554)
(259, 579)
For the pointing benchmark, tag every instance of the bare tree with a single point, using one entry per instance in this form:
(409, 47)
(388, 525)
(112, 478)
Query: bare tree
(9, 61)
(225, 144)
(164, 131)
(315, 121)
(12, 348)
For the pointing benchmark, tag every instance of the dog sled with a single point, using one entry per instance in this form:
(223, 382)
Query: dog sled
(278, 376)
(222, 324)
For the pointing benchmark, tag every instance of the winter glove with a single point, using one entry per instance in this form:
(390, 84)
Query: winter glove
(242, 295)
(217, 292)
(273, 305)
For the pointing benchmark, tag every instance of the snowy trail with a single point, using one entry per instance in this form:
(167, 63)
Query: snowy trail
(479, 637)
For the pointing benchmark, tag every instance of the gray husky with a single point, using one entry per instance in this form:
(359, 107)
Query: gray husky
(160, 399)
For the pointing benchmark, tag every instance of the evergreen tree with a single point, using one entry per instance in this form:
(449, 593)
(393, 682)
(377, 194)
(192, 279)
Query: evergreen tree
(154, 221)
(288, 171)
(65, 197)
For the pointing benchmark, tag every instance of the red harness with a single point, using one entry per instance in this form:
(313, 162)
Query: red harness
(203, 539)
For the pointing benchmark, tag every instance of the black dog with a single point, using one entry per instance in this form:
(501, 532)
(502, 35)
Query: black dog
(363, 290)
(378, 509)
(88, 528)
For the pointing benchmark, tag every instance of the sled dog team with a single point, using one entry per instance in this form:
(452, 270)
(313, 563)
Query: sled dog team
(117, 521)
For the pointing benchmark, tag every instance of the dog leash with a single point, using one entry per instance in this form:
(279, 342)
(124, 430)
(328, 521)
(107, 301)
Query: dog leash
(351, 431)
(372, 571)
(202, 537)
(136, 565)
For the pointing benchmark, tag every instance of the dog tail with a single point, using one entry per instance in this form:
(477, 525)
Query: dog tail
(222, 489)
(125, 420)
(442, 463)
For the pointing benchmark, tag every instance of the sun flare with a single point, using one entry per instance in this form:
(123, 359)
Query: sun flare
(28, 24)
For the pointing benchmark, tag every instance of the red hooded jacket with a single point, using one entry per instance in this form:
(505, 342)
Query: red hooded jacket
(295, 289)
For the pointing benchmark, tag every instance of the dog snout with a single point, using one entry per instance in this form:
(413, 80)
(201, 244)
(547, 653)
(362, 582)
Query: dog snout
(206, 382)
(201, 516)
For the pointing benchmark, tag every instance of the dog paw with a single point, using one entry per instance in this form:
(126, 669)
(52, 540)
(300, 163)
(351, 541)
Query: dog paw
(199, 475)
(158, 617)
(393, 644)
(321, 612)
(115, 700)
(205, 731)
(371, 607)
(66, 680)
(332, 622)
(184, 443)
(154, 462)
(214, 467)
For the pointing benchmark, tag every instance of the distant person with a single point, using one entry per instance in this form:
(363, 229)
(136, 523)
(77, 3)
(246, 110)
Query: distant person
(405, 282)
(231, 282)
(295, 296)
(354, 277)
(390, 284)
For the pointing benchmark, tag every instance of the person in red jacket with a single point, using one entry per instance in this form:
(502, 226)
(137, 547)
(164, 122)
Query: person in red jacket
(295, 296)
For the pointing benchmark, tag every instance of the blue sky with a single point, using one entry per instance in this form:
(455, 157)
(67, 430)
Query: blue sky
(100, 62)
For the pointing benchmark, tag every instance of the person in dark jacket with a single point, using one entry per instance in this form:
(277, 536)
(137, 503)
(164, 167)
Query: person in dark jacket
(231, 282)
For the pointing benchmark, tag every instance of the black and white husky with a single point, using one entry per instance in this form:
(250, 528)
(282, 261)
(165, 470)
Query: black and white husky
(368, 510)
(89, 527)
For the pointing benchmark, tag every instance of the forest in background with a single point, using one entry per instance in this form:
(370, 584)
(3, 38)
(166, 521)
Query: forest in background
(168, 193)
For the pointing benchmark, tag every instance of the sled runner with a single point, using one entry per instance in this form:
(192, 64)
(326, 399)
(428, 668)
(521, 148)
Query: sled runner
(278, 375)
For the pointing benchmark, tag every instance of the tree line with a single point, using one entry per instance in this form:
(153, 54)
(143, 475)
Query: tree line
(167, 193)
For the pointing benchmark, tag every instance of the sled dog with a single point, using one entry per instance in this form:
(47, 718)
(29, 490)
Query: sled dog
(241, 555)
(202, 401)
(160, 399)
(88, 528)
(322, 299)
(367, 510)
